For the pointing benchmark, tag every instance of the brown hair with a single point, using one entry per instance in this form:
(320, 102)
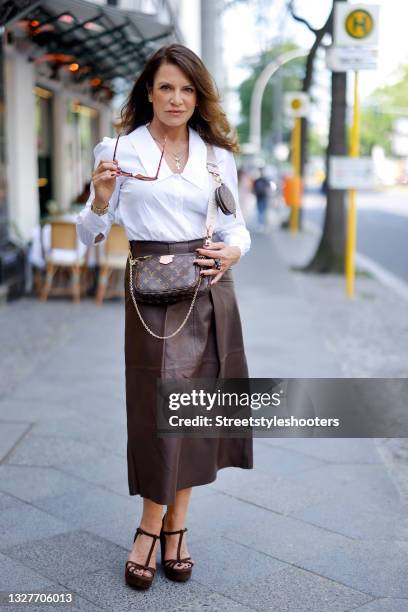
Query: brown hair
(208, 119)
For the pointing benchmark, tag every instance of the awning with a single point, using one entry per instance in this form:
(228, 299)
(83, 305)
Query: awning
(94, 42)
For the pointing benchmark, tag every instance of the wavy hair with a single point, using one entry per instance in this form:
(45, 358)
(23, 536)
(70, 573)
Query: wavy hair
(208, 119)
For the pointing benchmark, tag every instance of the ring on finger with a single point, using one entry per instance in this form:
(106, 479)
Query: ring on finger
(217, 264)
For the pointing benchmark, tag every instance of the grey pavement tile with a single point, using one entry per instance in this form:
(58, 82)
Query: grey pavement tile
(121, 528)
(104, 435)
(384, 605)
(338, 450)
(394, 453)
(7, 501)
(269, 346)
(118, 485)
(108, 590)
(217, 514)
(77, 604)
(69, 392)
(366, 482)
(277, 493)
(30, 411)
(10, 433)
(359, 518)
(294, 590)
(24, 523)
(30, 483)
(88, 505)
(106, 467)
(278, 536)
(29, 330)
(15, 576)
(376, 568)
(111, 370)
(71, 554)
(295, 492)
(47, 451)
(226, 566)
(280, 461)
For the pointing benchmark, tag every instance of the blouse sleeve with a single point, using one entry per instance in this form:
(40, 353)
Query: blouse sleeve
(232, 230)
(90, 225)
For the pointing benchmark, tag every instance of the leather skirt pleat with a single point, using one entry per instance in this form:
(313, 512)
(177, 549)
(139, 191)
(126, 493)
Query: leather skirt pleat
(209, 346)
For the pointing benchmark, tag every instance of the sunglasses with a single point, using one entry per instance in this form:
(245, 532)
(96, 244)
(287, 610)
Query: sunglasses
(140, 177)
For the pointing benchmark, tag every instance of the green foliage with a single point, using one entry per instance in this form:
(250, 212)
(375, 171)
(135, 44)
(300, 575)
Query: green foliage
(292, 74)
(376, 128)
(315, 145)
(382, 108)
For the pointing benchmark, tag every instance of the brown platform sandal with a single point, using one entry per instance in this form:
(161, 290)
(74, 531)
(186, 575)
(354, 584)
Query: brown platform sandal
(173, 573)
(139, 581)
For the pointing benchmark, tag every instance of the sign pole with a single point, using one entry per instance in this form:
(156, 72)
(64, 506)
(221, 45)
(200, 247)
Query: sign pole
(352, 209)
(296, 152)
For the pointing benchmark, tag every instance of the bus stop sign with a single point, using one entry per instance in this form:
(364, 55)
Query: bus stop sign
(356, 25)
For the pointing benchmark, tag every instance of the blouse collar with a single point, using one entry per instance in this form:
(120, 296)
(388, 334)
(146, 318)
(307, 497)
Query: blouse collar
(195, 170)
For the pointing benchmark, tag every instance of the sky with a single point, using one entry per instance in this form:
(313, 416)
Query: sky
(243, 38)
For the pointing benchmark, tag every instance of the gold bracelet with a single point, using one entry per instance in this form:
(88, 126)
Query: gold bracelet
(99, 211)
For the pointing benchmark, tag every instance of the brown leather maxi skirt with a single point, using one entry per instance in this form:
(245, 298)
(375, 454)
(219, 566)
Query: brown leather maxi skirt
(209, 346)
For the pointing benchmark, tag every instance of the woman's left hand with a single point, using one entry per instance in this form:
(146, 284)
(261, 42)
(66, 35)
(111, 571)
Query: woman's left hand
(225, 256)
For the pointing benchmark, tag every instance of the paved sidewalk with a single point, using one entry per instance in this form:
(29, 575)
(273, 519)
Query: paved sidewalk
(319, 525)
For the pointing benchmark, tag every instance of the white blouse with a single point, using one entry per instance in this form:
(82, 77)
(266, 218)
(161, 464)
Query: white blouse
(174, 207)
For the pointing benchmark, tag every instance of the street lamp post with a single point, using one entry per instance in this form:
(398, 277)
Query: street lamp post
(258, 92)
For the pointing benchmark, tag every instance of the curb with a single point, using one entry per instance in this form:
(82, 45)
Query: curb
(381, 274)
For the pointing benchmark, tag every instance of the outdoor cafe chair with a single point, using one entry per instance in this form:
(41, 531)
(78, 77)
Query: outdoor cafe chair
(112, 260)
(63, 255)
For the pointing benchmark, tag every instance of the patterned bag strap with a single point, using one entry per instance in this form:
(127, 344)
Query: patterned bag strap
(215, 182)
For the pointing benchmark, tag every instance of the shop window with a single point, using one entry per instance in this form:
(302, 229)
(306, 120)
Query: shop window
(3, 184)
(83, 136)
(43, 120)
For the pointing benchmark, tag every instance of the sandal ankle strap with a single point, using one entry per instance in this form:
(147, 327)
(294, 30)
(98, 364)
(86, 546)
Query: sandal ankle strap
(152, 535)
(180, 533)
(140, 530)
(174, 532)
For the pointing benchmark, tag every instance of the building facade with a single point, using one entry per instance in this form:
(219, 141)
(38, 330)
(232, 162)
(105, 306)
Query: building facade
(61, 66)
(65, 68)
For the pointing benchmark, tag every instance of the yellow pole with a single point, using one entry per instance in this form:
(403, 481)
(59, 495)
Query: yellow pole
(296, 147)
(352, 210)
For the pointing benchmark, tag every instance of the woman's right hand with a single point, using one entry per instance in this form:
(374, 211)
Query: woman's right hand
(104, 181)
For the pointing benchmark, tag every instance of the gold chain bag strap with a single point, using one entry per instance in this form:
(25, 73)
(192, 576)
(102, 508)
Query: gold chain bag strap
(167, 279)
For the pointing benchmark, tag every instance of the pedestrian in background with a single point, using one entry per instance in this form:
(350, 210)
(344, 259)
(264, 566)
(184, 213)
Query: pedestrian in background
(159, 185)
(262, 190)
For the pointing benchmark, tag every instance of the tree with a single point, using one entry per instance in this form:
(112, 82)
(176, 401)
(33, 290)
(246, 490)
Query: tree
(330, 253)
(308, 75)
(381, 109)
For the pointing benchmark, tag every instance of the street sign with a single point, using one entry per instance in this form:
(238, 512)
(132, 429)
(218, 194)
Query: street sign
(341, 59)
(399, 144)
(296, 104)
(399, 137)
(351, 172)
(400, 126)
(356, 25)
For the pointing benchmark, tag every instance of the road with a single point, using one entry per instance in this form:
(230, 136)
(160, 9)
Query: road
(382, 227)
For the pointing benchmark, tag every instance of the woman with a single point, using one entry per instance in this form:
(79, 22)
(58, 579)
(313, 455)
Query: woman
(171, 113)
